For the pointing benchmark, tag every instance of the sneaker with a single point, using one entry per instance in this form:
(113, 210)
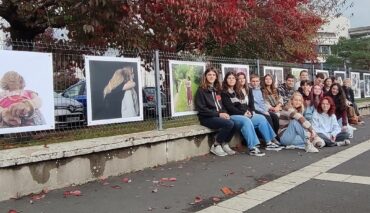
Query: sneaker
(309, 147)
(318, 142)
(217, 150)
(256, 152)
(344, 143)
(294, 147)
(227, 149)
(273, 147)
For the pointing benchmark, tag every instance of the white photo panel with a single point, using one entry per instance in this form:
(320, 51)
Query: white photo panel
(27, 85)
(235, 68)
(276, 72)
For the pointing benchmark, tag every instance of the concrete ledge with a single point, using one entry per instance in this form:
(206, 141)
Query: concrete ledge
(25, 155)
(32, 169)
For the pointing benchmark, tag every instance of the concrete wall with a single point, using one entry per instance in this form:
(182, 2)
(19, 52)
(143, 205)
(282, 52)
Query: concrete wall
(19, 178)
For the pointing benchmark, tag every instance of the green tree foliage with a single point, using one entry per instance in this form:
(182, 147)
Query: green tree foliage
(355, 51)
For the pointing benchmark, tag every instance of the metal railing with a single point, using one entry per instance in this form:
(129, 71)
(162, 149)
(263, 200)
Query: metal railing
(69, 77)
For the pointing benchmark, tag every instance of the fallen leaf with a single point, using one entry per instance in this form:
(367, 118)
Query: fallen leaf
(116, 187)
(172, 179)
(102, 178)
(155, 190)
(230, 173)
(163, 179)
(105, 183)
(12, 211)
(167, 185)
(150, 209)
(216, 199)
(168, 179)
(39, 196)
(126, 180)
(72, 193)
(227, 191)
(263, 180)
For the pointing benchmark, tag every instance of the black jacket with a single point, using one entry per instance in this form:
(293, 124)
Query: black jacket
(234, 105)
(208, 103)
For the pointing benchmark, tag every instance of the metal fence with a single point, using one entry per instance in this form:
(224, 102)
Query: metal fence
(69, 86)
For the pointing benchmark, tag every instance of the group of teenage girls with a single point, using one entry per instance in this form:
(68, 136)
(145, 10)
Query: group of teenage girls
(310, 118)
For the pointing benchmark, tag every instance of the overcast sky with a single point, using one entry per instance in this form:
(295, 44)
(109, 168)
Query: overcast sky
(359, 14)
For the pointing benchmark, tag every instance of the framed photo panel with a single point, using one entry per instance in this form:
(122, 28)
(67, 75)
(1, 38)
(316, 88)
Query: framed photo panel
(325, 72)
(185, 78)
(235, 68)
(26, 94)
(276, 72)
(297, 71)
(366, 85)
(113, 89)
(355, 79)
(340, 76)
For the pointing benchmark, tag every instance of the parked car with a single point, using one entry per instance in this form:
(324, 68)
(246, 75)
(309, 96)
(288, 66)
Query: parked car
(78, 92)
(68, 112)
(149, 101)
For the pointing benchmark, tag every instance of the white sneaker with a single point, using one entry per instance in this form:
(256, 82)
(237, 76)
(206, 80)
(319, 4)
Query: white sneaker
(217, 150)
(227, 149)
(344, 143)
(273, 147)
(309, 147)
(294, 147)
(256, 152)
(318, 142)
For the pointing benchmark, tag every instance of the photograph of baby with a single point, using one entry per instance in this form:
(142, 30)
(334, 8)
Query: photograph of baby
(276, 72)
(235, 68)
(113, 90)
(184, 82)
(26, 100)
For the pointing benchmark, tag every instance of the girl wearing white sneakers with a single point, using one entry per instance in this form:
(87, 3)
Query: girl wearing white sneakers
(212, 114)
(324, 122)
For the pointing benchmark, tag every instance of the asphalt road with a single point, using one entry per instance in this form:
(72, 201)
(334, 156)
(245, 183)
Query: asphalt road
(199, 182)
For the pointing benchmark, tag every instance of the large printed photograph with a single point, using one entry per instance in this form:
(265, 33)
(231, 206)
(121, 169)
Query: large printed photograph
(113, 90)
(26, 94)
(235, 68)
(340, 76)
(325, 72)
(355, 84)
(276, 72)
(366, 85)
(185, 77)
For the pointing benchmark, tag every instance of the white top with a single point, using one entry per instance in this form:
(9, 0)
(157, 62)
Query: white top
(325, 124)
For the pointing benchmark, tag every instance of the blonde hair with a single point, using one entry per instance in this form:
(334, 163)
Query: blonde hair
(12, 76)
(289, 104)
(119, 76)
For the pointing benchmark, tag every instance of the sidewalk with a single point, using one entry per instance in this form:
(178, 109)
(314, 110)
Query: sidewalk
(196, 184)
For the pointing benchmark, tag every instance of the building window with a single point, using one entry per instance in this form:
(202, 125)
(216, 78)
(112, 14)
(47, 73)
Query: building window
(324, 49)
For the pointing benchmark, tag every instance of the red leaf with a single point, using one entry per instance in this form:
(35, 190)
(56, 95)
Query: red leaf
(12, 211)
(116, 187)
(216, 199)
(72, 193)
(227, 191)
(126, 180)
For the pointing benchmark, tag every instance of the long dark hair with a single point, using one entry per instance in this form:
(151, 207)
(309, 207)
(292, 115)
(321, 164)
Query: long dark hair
(269, 89)
(315, 101)
(339, 99)
(245, 86)
(205, 84)
(225, 85)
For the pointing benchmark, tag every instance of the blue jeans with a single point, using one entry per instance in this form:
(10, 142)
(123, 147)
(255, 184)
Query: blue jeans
(263, 126)
(295, 134)
(226, 128)
(247, 129)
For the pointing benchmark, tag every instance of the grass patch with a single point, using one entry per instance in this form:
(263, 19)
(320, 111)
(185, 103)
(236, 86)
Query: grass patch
(65, 135)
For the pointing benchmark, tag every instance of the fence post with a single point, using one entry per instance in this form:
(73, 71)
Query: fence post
(313, 71)
(258, 67)
(158, 97)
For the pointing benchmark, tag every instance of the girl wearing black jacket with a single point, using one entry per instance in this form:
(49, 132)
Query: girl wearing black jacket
(240, 105)
(212, 114)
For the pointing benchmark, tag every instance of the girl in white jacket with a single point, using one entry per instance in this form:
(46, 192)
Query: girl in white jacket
(325, 124)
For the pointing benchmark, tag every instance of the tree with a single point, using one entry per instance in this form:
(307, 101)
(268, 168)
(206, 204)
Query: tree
(356, 51)
(270, 29)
